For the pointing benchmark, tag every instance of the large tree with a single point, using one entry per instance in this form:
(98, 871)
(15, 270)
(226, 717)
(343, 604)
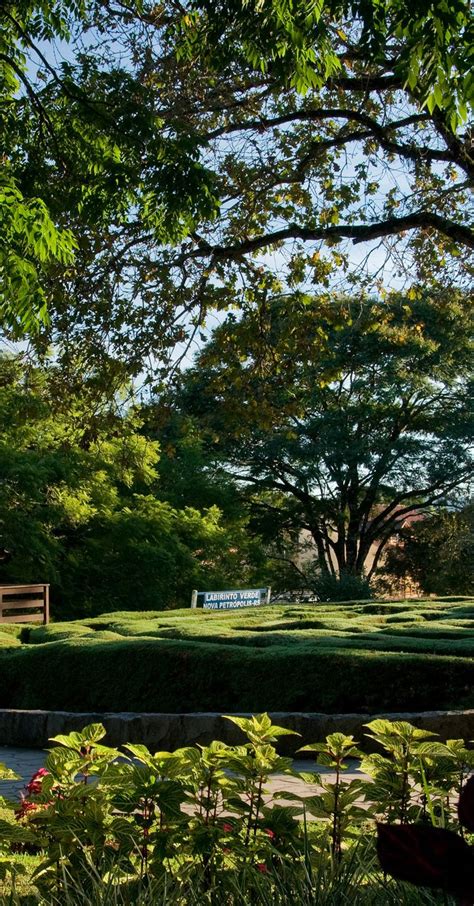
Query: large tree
(310, 128)
(356, 411)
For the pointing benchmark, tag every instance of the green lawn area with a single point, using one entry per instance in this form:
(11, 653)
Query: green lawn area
(364, 656)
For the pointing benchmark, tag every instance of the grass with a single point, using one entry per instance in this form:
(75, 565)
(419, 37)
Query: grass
(363, 656)
(346, 889)
(356, 883)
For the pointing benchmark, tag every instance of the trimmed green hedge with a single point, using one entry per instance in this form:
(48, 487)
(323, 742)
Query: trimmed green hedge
(170, 676)
(326, 657)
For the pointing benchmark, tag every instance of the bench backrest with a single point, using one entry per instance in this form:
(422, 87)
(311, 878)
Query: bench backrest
(24, 603)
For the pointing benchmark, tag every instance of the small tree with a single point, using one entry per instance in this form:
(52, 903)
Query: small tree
(438, 553)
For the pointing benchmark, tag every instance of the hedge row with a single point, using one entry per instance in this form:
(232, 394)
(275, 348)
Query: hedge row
(137, 674)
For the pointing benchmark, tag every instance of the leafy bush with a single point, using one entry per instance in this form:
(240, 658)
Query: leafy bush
(344, 587)
(174, 676)
(197, 826)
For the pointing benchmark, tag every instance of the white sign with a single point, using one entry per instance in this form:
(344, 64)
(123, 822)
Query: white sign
(231, 600)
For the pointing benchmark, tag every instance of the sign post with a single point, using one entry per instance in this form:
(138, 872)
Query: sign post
(230, 600)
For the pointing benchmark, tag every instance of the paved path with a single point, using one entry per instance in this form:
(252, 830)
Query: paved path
(26, 761)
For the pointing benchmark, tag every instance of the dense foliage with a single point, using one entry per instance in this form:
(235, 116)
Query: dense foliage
(359, 657)
(80, 503)
(82, 146)
(296, 42)
(438, 553)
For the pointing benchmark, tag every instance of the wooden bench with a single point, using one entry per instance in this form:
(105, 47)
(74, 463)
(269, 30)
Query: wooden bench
(24, 603)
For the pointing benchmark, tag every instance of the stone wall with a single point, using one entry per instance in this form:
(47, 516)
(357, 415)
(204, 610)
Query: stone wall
(170, 731)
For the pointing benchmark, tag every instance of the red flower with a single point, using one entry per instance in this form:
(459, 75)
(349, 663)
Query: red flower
(227, 828)
(24, 808)
(34, 786)
(269, 833)
(262, 867)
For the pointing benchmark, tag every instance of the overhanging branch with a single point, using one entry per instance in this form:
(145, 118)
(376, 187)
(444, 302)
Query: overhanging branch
(392, 226)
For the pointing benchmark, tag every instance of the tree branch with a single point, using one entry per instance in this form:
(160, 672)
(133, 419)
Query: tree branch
(456, 152)
(312, 114)
(423, 220)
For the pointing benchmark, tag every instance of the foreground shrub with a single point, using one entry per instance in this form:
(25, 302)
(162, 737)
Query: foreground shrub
(433, 856)
(196, 825)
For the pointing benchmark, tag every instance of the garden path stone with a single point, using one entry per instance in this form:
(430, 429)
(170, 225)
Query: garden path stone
(165, 731)
(27, 761)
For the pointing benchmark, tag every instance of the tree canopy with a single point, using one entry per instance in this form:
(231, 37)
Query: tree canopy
(163, 161)
(295, 40)
(351, 126)
(356, 412)
(83, 146)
